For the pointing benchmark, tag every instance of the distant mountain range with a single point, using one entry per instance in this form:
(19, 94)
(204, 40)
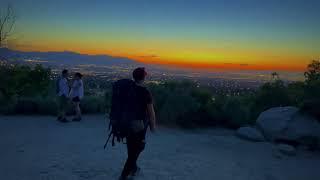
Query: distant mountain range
(65, 58)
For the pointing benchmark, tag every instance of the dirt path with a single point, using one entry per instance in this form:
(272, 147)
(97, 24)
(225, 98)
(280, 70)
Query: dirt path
(39, 148)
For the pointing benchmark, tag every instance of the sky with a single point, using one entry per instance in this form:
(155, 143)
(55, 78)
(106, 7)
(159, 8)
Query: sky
(226, 34)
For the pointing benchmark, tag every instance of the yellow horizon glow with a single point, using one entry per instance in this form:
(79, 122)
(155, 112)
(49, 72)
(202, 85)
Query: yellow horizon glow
(234, 59)
(191, 53)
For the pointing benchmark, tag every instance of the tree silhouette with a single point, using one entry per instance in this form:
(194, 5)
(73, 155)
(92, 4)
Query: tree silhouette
(313, 71)
(312, 89)
(7, 21)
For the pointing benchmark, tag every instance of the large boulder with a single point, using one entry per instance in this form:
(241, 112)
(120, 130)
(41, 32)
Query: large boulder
(288, 123)
(273, 122)
(303, 129)
(250, 133)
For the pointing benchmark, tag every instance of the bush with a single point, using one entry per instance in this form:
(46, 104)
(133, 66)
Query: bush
(272, 94)
(185, 104)
(48, 106)
(173, 101)
(26, 90)
(24, 81)
(237, 112)
(178, 109)
(93, 104)
(311, 101)
(29, 105)
(7, 106)
(296, 93)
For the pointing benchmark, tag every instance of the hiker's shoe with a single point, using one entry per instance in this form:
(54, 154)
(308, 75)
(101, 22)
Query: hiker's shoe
(64, 120)
(76, 119)
(123, 178)
(135, 172)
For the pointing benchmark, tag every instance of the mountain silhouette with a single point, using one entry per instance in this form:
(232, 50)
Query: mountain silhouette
(64, 57)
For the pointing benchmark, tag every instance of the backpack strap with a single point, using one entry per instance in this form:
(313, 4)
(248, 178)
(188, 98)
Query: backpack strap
(113, 138)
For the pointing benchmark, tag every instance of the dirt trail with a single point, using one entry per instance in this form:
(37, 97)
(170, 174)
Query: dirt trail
(39, 148)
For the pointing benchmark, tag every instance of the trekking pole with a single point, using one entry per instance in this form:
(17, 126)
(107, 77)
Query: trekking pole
(105, 145)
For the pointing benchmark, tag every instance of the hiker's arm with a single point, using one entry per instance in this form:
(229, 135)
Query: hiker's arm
(152, 116)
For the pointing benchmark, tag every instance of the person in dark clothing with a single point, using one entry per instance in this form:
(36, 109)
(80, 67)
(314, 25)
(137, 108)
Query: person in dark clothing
(136, 138)
(62, 91)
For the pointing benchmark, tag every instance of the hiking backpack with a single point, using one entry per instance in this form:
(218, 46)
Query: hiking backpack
(122, 109)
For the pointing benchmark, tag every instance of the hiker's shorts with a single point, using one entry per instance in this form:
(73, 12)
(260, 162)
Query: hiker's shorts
(136, 142)
(76, 99)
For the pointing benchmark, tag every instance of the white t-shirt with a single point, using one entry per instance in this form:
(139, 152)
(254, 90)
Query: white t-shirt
(77, 89)
(63, 87)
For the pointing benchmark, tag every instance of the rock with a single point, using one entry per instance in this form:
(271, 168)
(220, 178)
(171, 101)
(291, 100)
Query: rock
(303, 129)
(289, 124)
(287, 149)
(250, 133)
(274, 121)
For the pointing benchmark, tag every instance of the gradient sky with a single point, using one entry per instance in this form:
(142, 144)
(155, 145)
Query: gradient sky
(232, 34)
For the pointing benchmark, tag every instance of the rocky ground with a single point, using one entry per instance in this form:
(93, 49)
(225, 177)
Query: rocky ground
(39, 148)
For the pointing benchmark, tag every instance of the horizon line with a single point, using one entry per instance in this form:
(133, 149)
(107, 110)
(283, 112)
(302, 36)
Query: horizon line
(183, 65)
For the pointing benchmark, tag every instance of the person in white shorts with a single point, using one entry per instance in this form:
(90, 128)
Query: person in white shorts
(76, 94)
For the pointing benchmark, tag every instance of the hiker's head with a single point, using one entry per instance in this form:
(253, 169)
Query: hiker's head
(139, 74)
(77, 75)
(65, 73)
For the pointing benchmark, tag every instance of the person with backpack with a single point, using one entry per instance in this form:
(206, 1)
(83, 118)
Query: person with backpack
(62, 90)
(76, 94)
(131, 113)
